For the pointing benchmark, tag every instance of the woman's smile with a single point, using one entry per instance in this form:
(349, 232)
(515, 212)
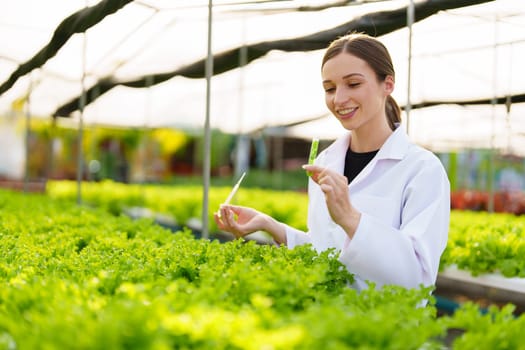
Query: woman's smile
(346, 113)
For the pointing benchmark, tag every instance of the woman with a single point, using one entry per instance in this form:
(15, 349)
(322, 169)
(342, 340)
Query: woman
(380, 200)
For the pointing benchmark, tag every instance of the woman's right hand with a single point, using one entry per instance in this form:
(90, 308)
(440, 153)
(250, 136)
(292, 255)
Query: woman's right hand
(238, 220)
(335, 188)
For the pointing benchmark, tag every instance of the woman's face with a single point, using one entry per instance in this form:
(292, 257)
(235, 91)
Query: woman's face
(352, 92)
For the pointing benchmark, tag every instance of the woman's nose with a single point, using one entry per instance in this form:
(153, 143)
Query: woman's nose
(341, 96)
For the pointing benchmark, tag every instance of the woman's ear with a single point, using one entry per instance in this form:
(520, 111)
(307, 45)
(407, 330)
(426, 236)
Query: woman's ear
(389, 84)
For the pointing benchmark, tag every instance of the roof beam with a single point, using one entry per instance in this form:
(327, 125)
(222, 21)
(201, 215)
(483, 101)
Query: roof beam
(376, 24)
(78, 22)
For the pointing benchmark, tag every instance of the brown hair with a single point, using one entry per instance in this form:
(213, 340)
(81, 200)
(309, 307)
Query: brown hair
(372, 51)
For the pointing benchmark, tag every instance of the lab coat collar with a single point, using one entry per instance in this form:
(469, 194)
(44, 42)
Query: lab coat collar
(334, 154)
(395, 147)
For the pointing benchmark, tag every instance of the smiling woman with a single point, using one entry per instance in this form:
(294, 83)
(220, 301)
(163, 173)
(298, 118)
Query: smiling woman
(368, 192)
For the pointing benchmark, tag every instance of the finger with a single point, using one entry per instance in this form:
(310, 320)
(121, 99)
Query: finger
(228, 208)
(328, 191)
(236, 209)
(222, 208)
(332, 184)
(316, 172)
(225, 215)
(338, 181)
(218, 220)
(330, 176)
(232, 222)
(326, 178)
(222, 212)
(313, 168)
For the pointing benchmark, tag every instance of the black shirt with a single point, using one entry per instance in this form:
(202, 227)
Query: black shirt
(356, 161)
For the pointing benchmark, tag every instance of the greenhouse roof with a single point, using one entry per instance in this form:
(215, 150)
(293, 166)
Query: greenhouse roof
(142, 63)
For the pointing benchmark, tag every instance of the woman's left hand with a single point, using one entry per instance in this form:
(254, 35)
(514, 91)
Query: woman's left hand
(335, 189)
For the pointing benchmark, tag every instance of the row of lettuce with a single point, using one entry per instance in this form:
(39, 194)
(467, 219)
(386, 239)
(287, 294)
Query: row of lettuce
(76, 277)
(479, 242)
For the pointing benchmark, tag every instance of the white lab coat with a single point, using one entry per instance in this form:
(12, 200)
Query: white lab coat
(403, 195)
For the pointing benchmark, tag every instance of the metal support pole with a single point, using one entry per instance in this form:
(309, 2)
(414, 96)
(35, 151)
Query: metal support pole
(207, 133)
(410, 22)
(243, 142)
(490, 177)
(82, 103)
(242, 161)
(27, 105)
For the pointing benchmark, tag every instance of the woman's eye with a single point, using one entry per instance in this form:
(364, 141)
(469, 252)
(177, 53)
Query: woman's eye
(330, 89)
(353, 85)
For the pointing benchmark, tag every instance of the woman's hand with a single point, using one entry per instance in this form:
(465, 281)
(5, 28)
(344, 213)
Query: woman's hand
(335, 189)
(239, 221)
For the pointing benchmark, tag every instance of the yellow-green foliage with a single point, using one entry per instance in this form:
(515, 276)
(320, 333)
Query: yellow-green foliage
(486, 242)
(183, 202)
(478, 242)
(73, 277)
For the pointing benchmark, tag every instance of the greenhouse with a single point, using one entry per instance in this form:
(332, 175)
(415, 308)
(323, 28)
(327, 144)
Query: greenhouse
(171, 174)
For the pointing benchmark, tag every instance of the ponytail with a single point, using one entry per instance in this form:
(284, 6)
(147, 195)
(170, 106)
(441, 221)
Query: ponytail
(393, 112)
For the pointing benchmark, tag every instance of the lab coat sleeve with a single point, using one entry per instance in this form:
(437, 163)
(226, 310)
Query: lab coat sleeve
(295, 237)
(408, 256)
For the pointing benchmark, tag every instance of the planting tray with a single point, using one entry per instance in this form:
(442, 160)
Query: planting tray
(489, 288)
